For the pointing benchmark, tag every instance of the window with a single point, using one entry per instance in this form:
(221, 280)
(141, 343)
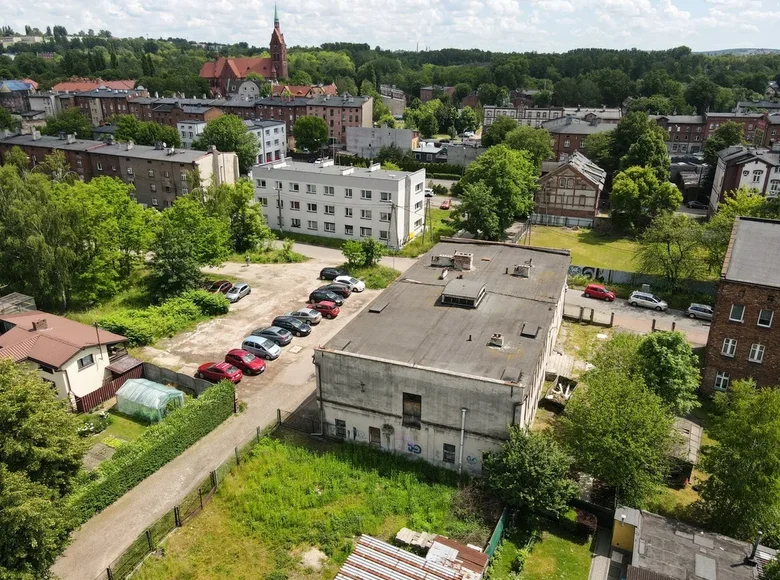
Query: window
(330, 190)
(263, 201)
(341, 429)
(330, 227)
(154, 202)
(294, 187)
(583, 200)
(418, 205)
(384, 196)
(365, 194)
(330, 210)
(79, 163)
(729, 347)
(166, 174)
(566, 143)
(774, 187)
(412, 410)
(153, 188)
(757, 175)
(311, 188)
(348, 212)
(384, 235)
(312, 225)
(448, 453)
(349, 230)
(418, 187)
(384, 216)
(86, 361)
(721, 381)
(295, 205)
(261, 183)
(737, 313)
(418, 223)
(99, 166)
(756, 353)
(295, 222)
(348, 192)
(129, 170)
(278, 185)
(183, 176)
(184, 189)
(311, 207)
(151, 173)
(374, 436)
(365, 232)
(365, 214)
(765, 318)
(561, 182)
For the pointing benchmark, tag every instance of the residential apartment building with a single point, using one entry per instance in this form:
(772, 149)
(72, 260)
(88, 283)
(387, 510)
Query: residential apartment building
(13, 96)
(537, 116)
(394, 98)
(48, 103)
(570, 194)
(342, 112)
(366, 142)
(286, 109)
(158, 174)
(433, 92)
(171, 111)
(744, 339)
(304, 91)
(741, 166)
(753, 124)
(189, 131)
(683, 133)
(271, 140)
(569, 134)
(100, 104)
(80, 85)
(346, 203)
(435, 368)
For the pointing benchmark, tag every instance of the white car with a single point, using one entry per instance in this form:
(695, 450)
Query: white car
(354, 284)
(646, 300)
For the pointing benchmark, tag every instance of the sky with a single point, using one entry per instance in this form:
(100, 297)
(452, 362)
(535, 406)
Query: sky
(498, 25)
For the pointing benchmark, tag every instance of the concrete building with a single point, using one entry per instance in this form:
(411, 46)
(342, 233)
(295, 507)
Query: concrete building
(340, 113)
(740, 166)
(573, 191)
(327, 200)
(529, 116)
(432, 92)
(753, 125)
(287, 109)
(48, 103)
(158, 174)
(102, 103)
(367, 141)
(13, 96)
(430, 152)
(189, 131)
(744, 341)
(569, 134)
(271, 140)
(683, 133)
(394, 98)
(445, 359)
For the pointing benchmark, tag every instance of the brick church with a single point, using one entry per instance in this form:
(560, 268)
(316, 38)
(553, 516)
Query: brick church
(220, 70)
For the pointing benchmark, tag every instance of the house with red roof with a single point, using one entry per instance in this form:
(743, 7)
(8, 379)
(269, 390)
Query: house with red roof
(80, 84)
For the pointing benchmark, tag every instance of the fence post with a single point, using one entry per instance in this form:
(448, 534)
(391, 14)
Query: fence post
(258, 433)
(592, 312)
(200, 496)
(238, 459)
(149, 540)
(582, 312)
(109, 574)
(652, 329)
(612, 319)
(235, 403)
(213, 480)
(674, 324)
(176, 516)
(279, 417)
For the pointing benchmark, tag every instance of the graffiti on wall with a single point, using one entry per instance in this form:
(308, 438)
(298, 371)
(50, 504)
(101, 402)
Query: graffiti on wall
(471, 460)
(358, 435)
(412, 447)
(607, 276)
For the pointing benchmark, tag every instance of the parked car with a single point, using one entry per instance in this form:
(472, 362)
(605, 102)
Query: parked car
(330, 273)
(237, 292)
(308, 315)
(445, 204)
(646, 300)
(338, 289)
(325, 295)
(215, 372)
(262, 347)
(354, 284)
(428, 192)
(280, 336)
(220, 286)
(294, 325)
(598, 291)
(249, 363)
(327, 309)
(693, 204)
(699, 311)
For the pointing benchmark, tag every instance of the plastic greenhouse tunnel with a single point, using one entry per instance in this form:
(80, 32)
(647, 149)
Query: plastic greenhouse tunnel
(147, 400)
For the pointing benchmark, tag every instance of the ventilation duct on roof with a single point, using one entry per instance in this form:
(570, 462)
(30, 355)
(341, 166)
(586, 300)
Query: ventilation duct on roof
(497, 339)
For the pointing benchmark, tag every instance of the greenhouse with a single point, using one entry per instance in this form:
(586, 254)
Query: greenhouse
(147, 400)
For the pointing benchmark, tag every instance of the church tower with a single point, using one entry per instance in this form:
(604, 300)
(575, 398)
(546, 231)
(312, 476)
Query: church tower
(278, 49)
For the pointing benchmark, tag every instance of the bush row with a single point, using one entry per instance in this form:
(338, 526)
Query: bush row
(456, 171)
(438, 175)
(158, 445)
(145, 326)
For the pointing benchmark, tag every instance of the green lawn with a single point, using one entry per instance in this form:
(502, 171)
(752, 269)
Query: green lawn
(272, 256)
(122, 427)
(312, 240)
(434, 231)
(287, 498)
(588, 248)
(376, 277)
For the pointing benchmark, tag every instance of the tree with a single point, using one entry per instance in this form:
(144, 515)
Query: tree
(373, 250)
(620, 433)
(477, 212)
(649, 151)
(70, 121)
(531, 472)
(467, 120)
(426, 122)
(6, 120)
(150, 133)
(310, 133)
(742, 493)
(628, 131)
(18, 159)
(536, 142)
(353, 252)
(727, 135)
(701, 92)
(487, 94)
(670, 369)
(56, 166)
(229, 133)
(671, 246)
(462, 90)
(235, 205)
(637, 198)
(598, 148)
(497, 132)
(543, 99)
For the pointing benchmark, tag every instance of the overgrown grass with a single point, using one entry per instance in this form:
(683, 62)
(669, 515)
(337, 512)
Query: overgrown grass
(437, 227)
(335, 243)
(376, 277)
(271, 256)
(580, 340)
(588, 248)
(286, 498)
(558, 555)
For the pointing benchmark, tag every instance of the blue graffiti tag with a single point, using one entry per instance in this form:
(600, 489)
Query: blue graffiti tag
(414, 448)
(472, 460)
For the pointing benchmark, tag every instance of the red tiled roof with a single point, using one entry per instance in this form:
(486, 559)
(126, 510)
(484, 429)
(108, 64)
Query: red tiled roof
(31, 82)
(241, 66)
(305, 90)
(79, 85)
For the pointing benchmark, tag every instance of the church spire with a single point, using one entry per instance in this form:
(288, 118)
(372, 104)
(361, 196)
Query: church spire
(276, 17)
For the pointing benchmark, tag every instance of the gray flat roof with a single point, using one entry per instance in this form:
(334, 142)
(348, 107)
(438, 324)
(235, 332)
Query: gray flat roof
(317, 168)
(753, 251)
(407, 322)
(262, 123)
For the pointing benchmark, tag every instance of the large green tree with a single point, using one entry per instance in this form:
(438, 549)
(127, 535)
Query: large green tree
(229, 133)
(477, 212)
(727, 135)
(669, 368)
(497, 132)
(649, 151)
(672, 247)
(701, 92)
(70, 121)
(6, 120)
(310, 133)
(536, 142)
(638, 197)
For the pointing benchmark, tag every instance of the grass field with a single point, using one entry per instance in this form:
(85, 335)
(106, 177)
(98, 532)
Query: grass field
(588, 248)
(288, 498)
(376, 277)
(434, 231)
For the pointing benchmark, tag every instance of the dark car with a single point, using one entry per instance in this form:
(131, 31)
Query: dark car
(327, 309)
(325, 296)
(340, 289)
(294, 325)
(280, 336)
(330, 273)
(215, 372)
(693, 204)
(246, 361)
(220, 286)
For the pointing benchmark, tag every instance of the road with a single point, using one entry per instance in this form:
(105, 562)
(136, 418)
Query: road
(641, 319)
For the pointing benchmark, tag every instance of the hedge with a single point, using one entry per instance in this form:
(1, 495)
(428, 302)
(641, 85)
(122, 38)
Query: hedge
(438, 168)
(159, 444)
(437, 175)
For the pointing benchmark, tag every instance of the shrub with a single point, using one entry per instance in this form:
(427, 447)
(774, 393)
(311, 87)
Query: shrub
(158, 445)
(440, 189)
(209, 304)
(437, 175)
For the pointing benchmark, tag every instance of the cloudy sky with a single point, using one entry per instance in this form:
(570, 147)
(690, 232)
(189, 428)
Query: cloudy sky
(500, 25)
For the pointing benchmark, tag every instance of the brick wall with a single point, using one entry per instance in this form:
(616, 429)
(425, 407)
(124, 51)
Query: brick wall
(746, 333)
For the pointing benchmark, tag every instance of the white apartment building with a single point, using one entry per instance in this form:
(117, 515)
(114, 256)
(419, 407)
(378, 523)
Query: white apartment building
(189, 131)
(529, 116)
(333, 201)
(271, 139)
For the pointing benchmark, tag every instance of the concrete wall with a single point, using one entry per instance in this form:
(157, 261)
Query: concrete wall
(367, 141)
(396, 106)
(607, 276)
(462, 154)
(186, 383)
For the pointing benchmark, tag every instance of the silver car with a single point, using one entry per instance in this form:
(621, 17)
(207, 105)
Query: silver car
(647, 300)
(307, 315)
(262, 347)
(237, 292)
(699, 311)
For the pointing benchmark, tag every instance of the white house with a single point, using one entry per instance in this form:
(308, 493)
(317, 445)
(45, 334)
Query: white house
(271, 139)
(189, 130)
(323, 199)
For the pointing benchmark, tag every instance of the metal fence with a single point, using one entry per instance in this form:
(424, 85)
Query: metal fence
(498, 533)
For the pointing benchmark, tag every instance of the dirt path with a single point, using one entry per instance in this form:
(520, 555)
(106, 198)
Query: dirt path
(286, 384)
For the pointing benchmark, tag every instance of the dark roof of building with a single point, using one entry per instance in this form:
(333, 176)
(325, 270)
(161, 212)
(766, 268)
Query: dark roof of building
(735, 115)
(283, 101)
(573, 126)
(264, 123)
(589, 170)
(680, 119)
(106, 93)
(407, 322)
(337, 101)
(739, 154)
(752, 254)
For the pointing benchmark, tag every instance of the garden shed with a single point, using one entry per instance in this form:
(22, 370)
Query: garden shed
(147, 400)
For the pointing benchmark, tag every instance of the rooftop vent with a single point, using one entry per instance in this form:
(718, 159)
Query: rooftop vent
(129, 145)
(445, 260)
(523, 270)
(463, 260)
(530, 330)
(327, 163)
(459, 292)
(348, 171)
(40, 324)
(36, 135)
(374, 167)
(497, 339)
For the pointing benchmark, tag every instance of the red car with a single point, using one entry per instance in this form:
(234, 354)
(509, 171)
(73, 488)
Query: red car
(246, 361)
(326, 307)
(215, 372)
(598, 291)
(445, 204)
(220, 286)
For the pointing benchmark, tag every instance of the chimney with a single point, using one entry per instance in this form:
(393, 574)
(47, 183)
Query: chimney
(40, 324)
(36, 135)
(497, 339)
(61, 135)
(129, 145)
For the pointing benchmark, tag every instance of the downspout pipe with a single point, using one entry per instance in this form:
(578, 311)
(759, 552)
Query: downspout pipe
(319, 394)
(462, 437)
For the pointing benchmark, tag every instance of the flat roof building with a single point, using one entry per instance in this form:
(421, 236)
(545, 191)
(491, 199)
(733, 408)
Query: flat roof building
(454, 351)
